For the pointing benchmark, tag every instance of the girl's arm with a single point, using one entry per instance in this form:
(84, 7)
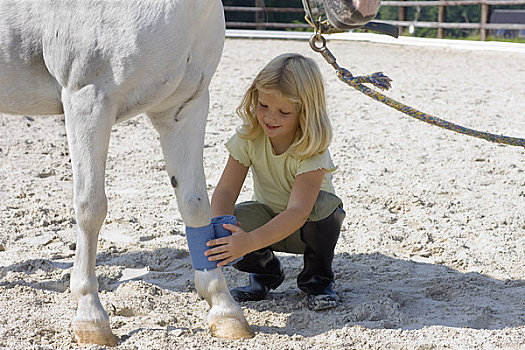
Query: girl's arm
(302, 199)
(304, 193)
(228, 188)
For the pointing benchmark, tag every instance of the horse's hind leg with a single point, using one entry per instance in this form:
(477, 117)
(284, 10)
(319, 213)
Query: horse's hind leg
(89, 119)
(182, 139)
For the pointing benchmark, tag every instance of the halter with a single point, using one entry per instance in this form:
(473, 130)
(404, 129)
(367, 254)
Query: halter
(325, 20)
(317, 18)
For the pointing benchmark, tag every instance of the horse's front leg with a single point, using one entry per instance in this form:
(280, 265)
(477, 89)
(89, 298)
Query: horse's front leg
(89, 119)
(182, 138)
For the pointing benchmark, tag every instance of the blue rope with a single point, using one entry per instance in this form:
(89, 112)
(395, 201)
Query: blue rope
(382, 82)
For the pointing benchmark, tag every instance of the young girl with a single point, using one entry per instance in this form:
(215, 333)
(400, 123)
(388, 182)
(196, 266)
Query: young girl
(284, 139)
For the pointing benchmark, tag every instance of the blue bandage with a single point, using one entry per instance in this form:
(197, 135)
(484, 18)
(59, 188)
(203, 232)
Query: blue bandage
(221, 232)
(197, 238)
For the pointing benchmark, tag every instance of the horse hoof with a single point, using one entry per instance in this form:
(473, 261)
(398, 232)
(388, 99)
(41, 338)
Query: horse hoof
(91, 333)
(232, 328)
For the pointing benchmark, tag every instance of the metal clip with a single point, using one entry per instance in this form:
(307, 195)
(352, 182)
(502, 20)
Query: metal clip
(323, 50)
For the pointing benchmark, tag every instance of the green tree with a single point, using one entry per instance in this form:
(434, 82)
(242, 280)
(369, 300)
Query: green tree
(455, 14)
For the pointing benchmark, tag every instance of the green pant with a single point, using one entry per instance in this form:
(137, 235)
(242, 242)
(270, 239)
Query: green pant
(252, 215)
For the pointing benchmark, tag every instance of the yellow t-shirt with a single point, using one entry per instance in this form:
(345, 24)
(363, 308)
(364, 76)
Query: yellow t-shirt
(274, 175)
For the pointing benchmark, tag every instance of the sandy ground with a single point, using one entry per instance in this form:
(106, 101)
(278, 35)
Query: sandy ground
(431, 253)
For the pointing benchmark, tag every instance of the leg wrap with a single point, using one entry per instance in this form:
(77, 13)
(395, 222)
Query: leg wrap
(220, 231)
(197, 238)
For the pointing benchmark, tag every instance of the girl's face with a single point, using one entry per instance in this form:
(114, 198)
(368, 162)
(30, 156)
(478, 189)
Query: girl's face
(278, 118)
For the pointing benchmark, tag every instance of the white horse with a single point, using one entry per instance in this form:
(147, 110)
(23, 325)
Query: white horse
(100, 63)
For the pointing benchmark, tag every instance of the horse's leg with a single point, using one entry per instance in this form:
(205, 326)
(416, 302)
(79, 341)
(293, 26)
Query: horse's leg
(226, 319)
(182, 139)
(88, 123)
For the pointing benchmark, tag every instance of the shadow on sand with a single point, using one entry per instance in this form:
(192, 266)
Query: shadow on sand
(377, 291)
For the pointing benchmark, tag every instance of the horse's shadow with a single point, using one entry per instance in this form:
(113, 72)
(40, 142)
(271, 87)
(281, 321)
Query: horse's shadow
(160, 267)
(377, 291)
(381, 292)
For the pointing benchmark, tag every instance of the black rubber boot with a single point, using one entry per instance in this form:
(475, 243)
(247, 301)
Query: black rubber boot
(317, 276)
(265, 273)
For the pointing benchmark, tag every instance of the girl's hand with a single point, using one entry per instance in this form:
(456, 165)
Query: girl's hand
(227, 249)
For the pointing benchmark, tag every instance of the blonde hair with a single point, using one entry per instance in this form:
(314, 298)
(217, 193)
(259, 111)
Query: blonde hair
(299, 80)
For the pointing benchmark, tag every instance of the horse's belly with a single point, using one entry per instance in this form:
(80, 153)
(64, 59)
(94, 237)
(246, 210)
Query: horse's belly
(28, 89)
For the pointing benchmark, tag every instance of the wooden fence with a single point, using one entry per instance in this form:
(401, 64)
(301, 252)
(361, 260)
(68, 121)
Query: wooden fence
(259, 19)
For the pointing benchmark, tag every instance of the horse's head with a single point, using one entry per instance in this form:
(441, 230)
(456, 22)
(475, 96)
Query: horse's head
(342, 14)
